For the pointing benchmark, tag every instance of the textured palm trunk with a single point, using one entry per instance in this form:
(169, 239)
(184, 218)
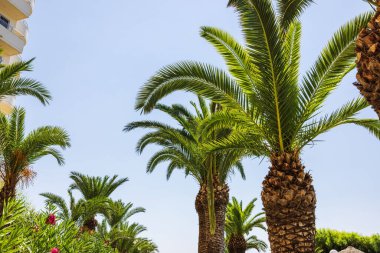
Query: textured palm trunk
(201, 208)
(237, 244)
(216, 240)
(90, 225)
(289, 201)
(368, 62)
(7, 192)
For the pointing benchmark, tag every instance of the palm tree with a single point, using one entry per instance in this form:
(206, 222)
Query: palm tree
(182, 147)
(254, 243)
(126, 239)
(11, 84)
(94, 188)
(78, 211)
(20, 152)
(273, 113)
(368, 64)
(239, 223)
(119, 212)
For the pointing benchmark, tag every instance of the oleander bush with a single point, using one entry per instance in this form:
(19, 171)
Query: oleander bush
(328, 239)
(23, 230)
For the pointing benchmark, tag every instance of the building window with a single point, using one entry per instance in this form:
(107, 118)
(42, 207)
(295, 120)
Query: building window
(4, 21)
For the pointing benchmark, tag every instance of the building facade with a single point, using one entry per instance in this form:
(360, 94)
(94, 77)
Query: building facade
(13, 36)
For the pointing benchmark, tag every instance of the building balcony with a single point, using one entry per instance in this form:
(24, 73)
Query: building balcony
(7, 104)
(17, 9)
(10, 41)
(6, 60)
(21, 29)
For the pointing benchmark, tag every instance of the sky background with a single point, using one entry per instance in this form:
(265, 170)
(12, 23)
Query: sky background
(93, 55)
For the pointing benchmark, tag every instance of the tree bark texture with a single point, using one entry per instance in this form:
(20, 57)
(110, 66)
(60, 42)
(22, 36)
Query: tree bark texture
(202, 211)
(7, 192)
(216, 241)
(368, 62)
(289, 202)
(237, 244)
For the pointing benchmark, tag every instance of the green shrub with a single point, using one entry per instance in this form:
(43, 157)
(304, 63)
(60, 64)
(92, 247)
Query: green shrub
(22, 230)
(328, 239)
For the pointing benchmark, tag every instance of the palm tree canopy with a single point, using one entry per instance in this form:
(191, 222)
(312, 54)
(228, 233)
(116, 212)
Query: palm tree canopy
(240, 220)
(270, 105)
(92, 187)
(119, 212)
(81, 210)
(20, 151)
(12, 85)
(126, 238)
(182, 146)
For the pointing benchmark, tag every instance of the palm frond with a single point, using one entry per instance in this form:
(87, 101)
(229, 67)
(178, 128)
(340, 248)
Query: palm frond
(235, 55)
(335, 61)
(290, 10)
(196, 77)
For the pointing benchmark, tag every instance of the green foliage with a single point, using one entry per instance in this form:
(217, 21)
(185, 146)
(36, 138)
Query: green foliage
(328, 239)
(271, 107)
(64, 235)
(114, 233)
(183, 146)
(12, 85)
(95, 187)
(22, 230)
(13, 236)
(240, 221)
(20, 151)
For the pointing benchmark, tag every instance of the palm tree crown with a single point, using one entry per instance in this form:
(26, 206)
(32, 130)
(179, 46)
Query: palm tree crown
(239, 223)
(240, 220)
(92, 187)
(19, 152)
(273, 109)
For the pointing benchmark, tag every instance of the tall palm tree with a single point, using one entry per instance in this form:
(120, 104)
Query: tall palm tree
(239, 223)
(11, 84)
(20, 152)
(368, 64)
(94, 188)
(182, 147)
(274, 113)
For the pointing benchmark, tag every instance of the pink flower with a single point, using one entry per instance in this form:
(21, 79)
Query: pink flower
(54, 250)
(51, 220)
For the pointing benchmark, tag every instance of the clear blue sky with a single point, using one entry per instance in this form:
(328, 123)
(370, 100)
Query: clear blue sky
(94, 55)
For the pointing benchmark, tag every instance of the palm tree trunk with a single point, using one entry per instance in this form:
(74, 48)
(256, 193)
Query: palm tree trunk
(202, 210)
(90, 225)
(289, 202)
(368, 64)
(216, 241)
(237, 244)
(7, 192)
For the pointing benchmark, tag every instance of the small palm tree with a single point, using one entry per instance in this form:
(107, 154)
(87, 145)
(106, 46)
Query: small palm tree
(183, 148)
(119, 212)
(274, 113)
(239, 223)
(78, 211)
(11, 84)
(94, 188)
(20, 152)
(126, 239)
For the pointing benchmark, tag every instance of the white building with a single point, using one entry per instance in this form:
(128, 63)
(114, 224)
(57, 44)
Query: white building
(13, 36)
